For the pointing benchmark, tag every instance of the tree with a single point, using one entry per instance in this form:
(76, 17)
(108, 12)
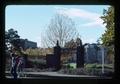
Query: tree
(108, 18)
(61, 28)
(11, 38)
(108, 37)
(70, 44)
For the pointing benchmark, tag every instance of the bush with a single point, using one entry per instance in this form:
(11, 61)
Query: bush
(86, 71)
(78, 71)
(81, 71)
(35, 64)
(68, 66)
(89, 69)
(98, 72)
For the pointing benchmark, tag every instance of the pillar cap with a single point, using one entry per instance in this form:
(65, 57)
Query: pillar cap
(57, 43)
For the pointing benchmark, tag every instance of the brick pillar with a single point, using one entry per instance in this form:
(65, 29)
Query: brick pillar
(50, 61)
(25, 60)
(57, 54)
(80, 54)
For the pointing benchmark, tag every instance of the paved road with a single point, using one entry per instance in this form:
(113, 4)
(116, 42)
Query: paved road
(46, 75)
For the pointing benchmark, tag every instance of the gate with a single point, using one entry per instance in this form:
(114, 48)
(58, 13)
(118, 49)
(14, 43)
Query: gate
(54, 60)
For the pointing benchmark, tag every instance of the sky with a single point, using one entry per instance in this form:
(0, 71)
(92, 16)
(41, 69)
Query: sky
(31, 21)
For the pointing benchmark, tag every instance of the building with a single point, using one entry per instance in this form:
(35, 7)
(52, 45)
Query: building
(28, 44)
(94, 52)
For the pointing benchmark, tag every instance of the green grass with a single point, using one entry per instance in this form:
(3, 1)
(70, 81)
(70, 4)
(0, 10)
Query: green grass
(73, 65)
(89, 69)
(107, 66)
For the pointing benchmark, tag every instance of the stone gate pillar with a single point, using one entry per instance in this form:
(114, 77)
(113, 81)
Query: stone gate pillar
(80, 55)
(57, 54)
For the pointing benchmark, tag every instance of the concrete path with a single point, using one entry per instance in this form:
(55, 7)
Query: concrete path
(53, 75)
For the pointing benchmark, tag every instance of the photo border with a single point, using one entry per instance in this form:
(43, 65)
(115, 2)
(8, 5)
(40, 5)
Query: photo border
(4, 3)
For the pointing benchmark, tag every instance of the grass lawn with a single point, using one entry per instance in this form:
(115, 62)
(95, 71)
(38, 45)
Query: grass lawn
(108, 66)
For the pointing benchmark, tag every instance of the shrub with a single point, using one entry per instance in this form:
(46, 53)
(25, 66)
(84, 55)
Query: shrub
(87, 71)
(81, 71)
(68, 66)
(78, 71)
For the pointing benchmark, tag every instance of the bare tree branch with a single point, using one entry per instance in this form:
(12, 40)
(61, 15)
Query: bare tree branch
(61, 28)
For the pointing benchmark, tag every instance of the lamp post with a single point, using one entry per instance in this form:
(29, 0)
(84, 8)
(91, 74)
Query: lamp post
(102, 59)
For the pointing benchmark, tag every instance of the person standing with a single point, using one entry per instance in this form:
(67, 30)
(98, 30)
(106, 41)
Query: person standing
(14, 65)
(20, 65)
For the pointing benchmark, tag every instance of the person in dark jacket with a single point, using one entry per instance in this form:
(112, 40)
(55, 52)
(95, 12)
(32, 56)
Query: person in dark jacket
(14, 65)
